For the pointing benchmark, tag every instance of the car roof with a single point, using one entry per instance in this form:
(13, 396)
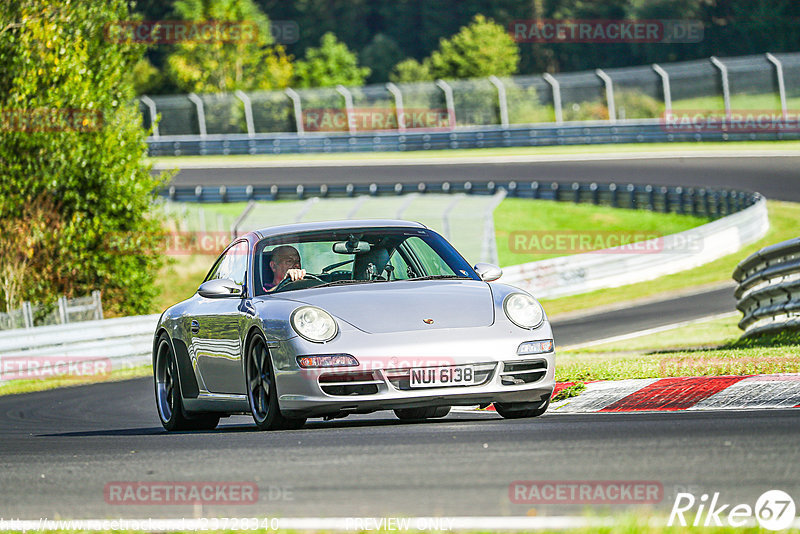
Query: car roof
(336, 225)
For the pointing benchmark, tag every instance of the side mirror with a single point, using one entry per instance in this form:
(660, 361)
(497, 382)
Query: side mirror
(220, 288)
(488, 272)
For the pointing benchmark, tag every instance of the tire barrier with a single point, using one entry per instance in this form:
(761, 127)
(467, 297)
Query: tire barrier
(768, 294)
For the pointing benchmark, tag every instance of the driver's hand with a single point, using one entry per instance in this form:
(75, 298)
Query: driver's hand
(295, 274)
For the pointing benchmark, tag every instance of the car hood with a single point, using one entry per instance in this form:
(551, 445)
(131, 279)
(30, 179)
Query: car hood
(405, 305)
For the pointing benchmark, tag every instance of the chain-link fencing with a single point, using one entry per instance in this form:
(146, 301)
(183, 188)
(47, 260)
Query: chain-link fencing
(763, 83)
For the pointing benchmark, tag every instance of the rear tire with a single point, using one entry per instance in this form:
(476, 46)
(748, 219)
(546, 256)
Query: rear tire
(427, 412)
(169, 401)
(511, 411)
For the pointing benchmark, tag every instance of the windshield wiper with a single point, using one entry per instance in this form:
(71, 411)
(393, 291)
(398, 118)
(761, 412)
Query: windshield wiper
(347, 281)
(440, 277)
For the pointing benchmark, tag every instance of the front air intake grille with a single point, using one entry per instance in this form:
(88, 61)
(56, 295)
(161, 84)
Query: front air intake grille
(526, 372)
(347, 384)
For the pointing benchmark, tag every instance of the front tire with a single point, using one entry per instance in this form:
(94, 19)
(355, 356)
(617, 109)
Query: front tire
(513, 411)
(427, 412)
(262, 393)
(169, 402)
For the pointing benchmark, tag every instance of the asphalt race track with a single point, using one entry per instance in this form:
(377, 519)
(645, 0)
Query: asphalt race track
(774, 177)
(59, 449)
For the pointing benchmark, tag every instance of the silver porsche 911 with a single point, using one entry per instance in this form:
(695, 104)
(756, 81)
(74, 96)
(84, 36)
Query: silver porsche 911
(338, 318)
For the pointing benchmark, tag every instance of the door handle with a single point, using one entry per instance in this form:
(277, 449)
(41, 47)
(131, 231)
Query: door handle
(195, 326)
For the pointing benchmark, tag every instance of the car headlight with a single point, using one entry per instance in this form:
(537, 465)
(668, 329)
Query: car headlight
(523, 310)
(314, 324)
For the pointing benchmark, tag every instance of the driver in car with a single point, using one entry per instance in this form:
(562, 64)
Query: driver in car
(285, 264)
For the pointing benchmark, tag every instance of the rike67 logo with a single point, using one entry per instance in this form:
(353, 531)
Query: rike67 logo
(774, 510)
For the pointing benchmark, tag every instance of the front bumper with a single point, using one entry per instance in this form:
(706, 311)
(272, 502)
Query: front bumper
(384, 357)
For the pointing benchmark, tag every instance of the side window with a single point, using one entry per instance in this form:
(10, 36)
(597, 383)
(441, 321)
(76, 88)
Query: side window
(233, 264)
(427, 257)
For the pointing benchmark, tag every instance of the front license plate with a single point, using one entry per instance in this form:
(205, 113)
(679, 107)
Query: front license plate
(426, 377)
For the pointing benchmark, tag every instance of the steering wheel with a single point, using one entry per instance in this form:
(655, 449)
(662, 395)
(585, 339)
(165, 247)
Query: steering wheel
(303, 283)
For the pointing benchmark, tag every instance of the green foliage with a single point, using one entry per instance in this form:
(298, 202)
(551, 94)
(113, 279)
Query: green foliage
(483, 48)
(380, 55)
(75, 196)
(411, 70)
(146, 77)
(635, 105)
(329, 65)
(246, 63)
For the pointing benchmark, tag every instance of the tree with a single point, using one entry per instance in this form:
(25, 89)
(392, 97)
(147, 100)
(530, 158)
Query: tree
(329, 65)
(247, 62)
(411, 70)
(483, 48)
(380, 55)
(76, 199)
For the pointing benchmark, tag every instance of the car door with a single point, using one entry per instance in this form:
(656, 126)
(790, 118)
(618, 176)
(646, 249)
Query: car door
(215, 330)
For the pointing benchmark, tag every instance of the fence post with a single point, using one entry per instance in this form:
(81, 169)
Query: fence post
(665, 85)
(398, 106)
(612, 106)
(501, 100)
(98, 303)
(62, 310)
(151, 108)
(781, 83)
(298, 110)
(201, 113)
(348, 107)
(448, 99)
(248, 112)
(556, 87)
(726, 88)
(27, 314)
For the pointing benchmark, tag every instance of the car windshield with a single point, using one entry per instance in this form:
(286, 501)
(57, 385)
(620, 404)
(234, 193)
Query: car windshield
(349, 256)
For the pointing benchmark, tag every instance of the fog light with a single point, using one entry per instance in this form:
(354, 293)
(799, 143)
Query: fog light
(327, 360)
(536, 347)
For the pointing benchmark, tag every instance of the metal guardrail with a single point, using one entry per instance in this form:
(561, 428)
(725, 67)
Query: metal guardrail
(578, 133)
(697, 201)
(65, 311)
(769, 289)
(124, 342)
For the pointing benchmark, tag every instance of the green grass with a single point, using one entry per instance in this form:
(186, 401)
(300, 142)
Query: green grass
(697, 334)
(13, 387)
(766, 102)
(522, 224)
(703, 348)
(644, 148)
(783, 218)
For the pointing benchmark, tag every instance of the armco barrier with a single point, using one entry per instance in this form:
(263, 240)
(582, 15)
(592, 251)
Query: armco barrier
(125, 341)
(769, 289)
(580, 273)
(713, 203)
(578, 133)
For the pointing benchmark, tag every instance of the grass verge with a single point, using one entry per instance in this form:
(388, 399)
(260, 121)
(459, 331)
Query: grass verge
(525, 229)
(783, 217)
(703, 348)
(13, 387)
